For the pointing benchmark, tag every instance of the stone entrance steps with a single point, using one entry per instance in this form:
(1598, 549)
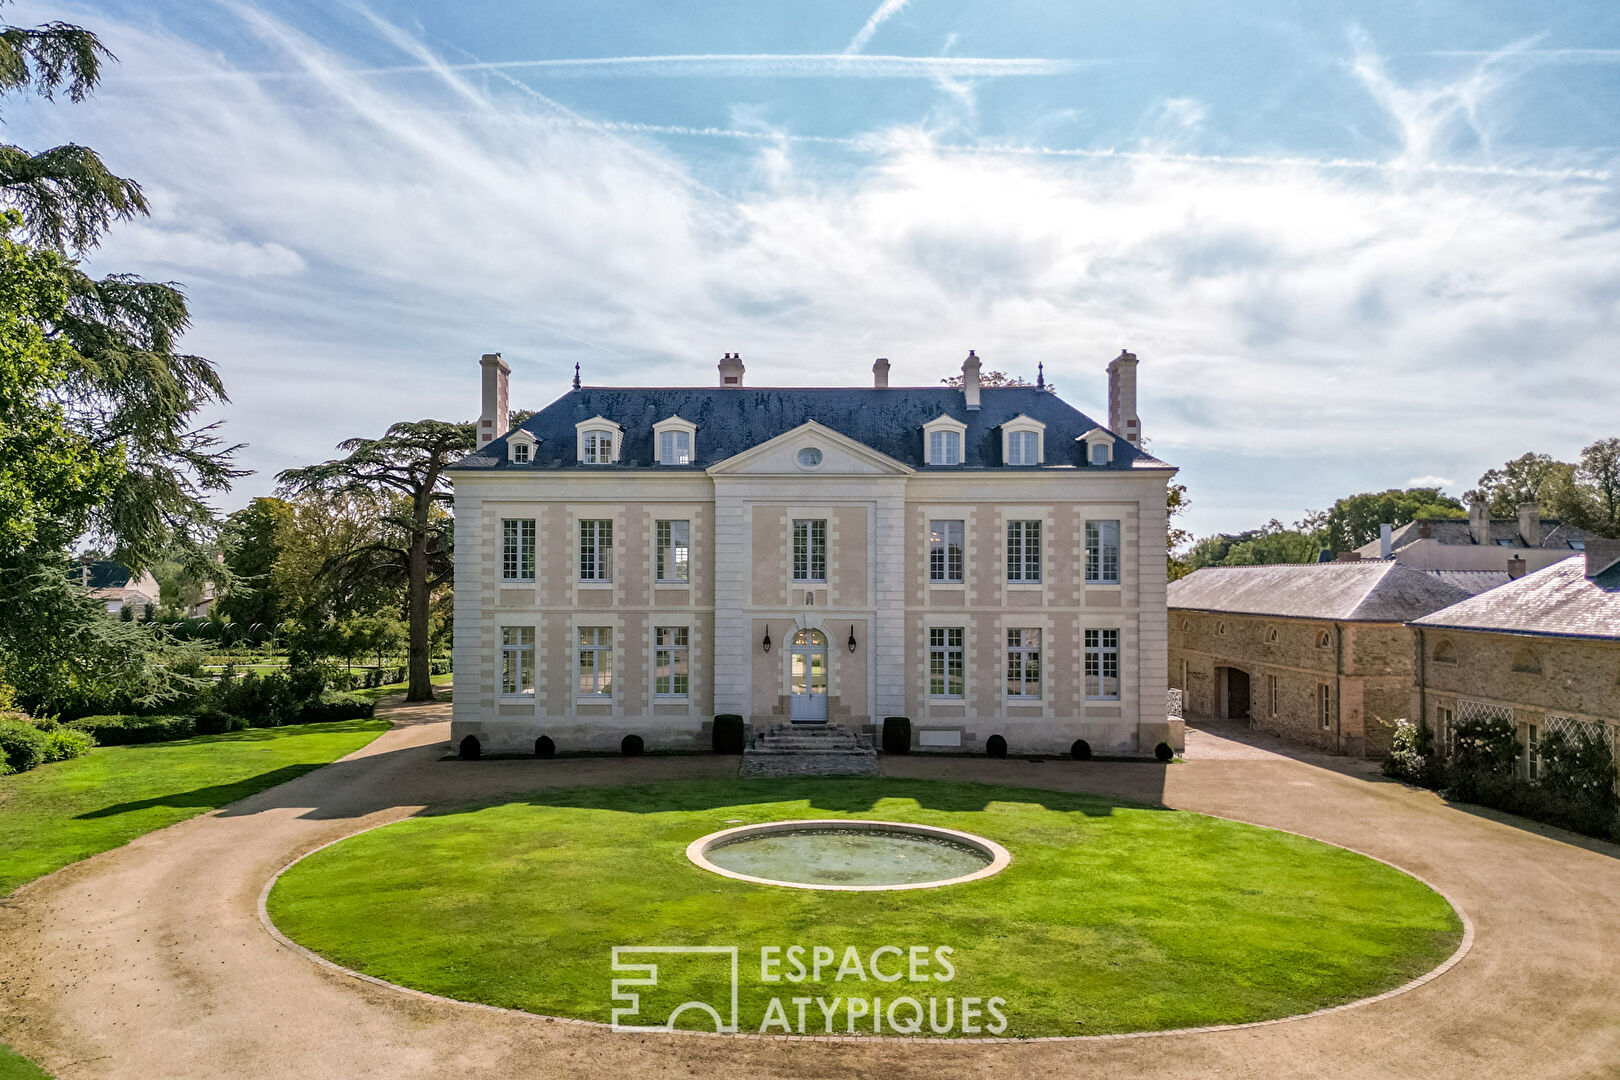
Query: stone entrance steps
(809, 750)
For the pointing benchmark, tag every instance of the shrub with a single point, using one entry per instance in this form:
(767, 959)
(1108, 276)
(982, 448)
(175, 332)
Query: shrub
(439, 667)
(996, 746)
(1411, 755)
(131, 730)
(1483, 752)
(22, 745)
(330, 707)
(264, 702)
(306, 681)
(217, 722)
(1164, 752)
(65, 744)
(728, 734)
(896, 735)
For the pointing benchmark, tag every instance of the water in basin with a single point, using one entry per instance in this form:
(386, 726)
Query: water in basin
(840, 857)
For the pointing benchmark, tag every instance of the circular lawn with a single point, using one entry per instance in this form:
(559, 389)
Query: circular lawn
(1112, 917)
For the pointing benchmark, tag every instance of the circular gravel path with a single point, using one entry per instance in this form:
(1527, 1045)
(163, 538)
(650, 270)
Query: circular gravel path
(150, 960)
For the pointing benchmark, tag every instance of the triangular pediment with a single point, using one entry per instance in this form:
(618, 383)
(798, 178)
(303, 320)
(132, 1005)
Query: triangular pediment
(840, 456)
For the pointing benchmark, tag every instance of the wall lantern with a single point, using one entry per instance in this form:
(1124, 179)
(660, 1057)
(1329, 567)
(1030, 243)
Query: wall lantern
(766, 644)
(851, 637)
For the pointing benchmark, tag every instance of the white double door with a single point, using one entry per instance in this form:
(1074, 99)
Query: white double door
(808, 677)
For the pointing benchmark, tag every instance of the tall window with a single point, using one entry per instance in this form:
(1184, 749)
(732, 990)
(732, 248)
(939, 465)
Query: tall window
(1102, 664)
(1324, 705)
(1023, 551)
(670, 668)
(517, 661)
(596, 551)
(1271, 692)
(517, 549)
(945, 661)
(809, 550)
(1445, 722)
(1101, 453)
(674, 448)
(1023, 448)
(598, 447)
(1024, 663)
(944, 448)
(674, 551)
(596, 661)
(1102, 553)
(945, 551)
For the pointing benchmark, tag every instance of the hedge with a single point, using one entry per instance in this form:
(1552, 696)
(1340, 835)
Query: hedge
(330, 707)
(130, 730)
(22, 745)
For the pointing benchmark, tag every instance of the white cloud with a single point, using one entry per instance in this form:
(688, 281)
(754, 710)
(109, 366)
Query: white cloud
(1430, 482)
(885, 11)
(1285, 309)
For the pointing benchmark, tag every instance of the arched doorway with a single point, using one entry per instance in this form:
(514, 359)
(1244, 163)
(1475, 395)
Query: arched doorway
(808, 674)
(1232, 684)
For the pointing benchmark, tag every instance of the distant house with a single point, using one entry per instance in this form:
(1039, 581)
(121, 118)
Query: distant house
(115, 585)
(1542, 652)
(1318, 653)
(1481, 542)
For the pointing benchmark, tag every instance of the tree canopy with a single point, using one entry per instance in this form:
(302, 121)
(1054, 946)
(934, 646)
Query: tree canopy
(1518, 481)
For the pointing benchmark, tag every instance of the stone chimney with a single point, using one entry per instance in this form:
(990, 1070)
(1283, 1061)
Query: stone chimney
(1347, 556)
(496, 415)
(1530, 523)
(1386, 541)
(880, 374)
(1122, 418)
(1601, 554)
(970, 380)
(1425, 530)
(1516, 566)
(1479, 521)
(731, 370)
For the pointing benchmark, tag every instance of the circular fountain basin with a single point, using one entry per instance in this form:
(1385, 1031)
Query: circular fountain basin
(849, 856)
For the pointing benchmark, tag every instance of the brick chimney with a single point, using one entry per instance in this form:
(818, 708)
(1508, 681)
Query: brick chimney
(731, 370)
(1530, 523)
(496, 415)
(1425, 530)
(970, 380)
(1122, 418)
(1516, 566)
(1479, 521)
(1601, 554)
(880, 374)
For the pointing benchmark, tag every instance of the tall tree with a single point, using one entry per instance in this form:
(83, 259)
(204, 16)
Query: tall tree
(1589, 496)
(1353, 521)
(408, 463)
(1518, 481)
(252, 543)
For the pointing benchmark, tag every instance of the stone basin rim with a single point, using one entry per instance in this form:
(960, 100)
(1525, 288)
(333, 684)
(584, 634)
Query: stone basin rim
(1000, 858)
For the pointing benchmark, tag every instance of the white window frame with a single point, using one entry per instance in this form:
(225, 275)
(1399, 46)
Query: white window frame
(677, 652)
(1018, 425)
(598, 427)
(1020, 652)
(1024, 542)
(1272, 694)
(942, 426)
(1324, 705)
(939, 551)
(1102, 653)
(664, 530)
(596, 551)
(1098, 551)
(517, 663)
(590, 640)
(518, 550)
(813, 557)
(674, 428)
(1093, 439)
(520, 447)
(949, 653)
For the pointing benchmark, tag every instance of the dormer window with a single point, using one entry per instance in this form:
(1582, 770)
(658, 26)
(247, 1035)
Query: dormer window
(1022, 441)
(942, 439)
(520, 447)
(1098, 446)
(673, 439)
(600, 441)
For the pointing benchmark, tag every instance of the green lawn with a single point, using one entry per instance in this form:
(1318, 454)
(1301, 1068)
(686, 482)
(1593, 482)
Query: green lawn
(1111, 918)
(13, 1066)
(61, 813)
(441, 687)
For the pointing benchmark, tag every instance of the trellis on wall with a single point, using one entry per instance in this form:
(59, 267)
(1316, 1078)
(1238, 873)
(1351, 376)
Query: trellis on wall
(1172, 705)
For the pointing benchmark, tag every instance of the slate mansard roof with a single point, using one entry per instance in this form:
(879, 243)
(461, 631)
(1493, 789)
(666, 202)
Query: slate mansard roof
(1504, 532)
(1560, 601)
(733, 419)
(1385, 592)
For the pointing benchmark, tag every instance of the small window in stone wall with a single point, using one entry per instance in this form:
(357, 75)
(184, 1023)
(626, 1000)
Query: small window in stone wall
(1186, 624)
(1445, 653)
(1324, 639)
(1220, 628)
(1271, 635)
(1526, 662)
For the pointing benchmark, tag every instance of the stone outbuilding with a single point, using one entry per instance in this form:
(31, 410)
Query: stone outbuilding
(1515, 546)
(1542, 652)
(1318, 653)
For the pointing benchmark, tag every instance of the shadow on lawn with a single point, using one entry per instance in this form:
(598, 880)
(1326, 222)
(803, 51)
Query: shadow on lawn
(206, 797)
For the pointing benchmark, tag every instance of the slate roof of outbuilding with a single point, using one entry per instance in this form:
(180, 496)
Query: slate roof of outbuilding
(1386, 592)
(731, 420)
(1454, 531)
(1559, 601)
(1472, 582)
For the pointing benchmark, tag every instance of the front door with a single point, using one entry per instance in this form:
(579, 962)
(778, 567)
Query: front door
(809, 677)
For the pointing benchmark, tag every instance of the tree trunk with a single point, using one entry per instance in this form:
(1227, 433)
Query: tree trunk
(420, 670)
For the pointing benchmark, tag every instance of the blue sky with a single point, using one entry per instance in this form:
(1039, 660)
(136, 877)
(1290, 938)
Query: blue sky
(1354, 245)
